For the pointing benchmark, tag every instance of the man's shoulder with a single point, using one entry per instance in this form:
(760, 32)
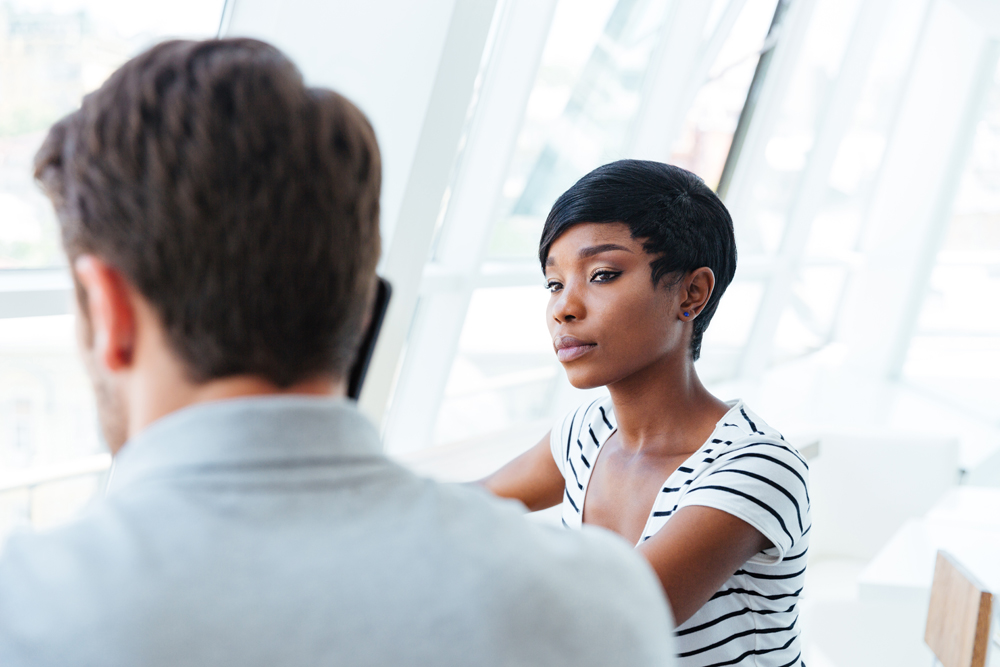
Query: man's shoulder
(583, 565)
(80, 551)
(587, 592)
(411, 557)
(53, 580)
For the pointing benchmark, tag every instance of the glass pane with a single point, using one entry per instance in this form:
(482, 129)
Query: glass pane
(728, 332)
(955, 353)
(586, 92)
(807, 323)
(51, 54)
(46, 416)
(836, 230)
(711, 121)
(505, 372)
(761, 225)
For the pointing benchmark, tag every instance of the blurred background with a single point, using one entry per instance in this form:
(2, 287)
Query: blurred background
(855, 142)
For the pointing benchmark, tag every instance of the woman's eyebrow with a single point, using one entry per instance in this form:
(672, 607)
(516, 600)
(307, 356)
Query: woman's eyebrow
(590, 251)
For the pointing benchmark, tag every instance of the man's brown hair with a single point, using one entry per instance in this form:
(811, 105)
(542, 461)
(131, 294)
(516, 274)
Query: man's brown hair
(241, 204)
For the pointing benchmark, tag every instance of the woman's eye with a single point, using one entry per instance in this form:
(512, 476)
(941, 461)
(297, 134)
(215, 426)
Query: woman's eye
(553, 286)
(604, 275)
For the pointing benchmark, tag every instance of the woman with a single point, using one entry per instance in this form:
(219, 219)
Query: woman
(637, 255)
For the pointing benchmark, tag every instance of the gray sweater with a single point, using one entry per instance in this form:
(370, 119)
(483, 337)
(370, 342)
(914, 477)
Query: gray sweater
(272, 531)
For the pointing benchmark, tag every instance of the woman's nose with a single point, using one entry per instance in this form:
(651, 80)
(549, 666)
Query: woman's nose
(568, 307)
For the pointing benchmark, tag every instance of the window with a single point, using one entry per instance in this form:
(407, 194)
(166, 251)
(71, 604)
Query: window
(51, 54)
(954, 355)
(586, 92)
(593, 79)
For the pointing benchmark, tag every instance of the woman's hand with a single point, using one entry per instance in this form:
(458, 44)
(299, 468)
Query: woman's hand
(696, 551)
(532, 478)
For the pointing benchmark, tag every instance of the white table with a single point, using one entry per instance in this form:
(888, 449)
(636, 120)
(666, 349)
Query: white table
(969, 505)
(965, 523)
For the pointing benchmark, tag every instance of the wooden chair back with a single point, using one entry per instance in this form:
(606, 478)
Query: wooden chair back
(960, 615)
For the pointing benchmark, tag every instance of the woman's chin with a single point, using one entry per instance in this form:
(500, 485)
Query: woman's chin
(582, 378)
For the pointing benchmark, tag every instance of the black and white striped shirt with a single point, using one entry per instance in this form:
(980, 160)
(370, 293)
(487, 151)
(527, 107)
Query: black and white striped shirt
(746, 469)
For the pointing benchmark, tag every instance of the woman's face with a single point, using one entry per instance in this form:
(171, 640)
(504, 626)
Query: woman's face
(606, 319)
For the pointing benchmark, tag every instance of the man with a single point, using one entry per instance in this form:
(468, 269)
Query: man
(221, 223)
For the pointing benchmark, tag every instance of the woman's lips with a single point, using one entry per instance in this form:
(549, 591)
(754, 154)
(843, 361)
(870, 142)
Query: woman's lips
(568, 348)
(575, 352)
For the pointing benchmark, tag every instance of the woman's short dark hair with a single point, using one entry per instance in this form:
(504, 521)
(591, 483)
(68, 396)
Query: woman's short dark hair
(678, 218)
(240, 203)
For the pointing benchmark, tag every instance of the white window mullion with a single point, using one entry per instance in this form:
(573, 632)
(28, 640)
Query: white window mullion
(680, 66)
(905, 209)
(427, 181)
(468, 222)
(809, 196)
(790, 43)
(35, 292)
(943, 205)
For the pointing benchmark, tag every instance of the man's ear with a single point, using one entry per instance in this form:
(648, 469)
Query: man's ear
(698, 290)
(109, 308)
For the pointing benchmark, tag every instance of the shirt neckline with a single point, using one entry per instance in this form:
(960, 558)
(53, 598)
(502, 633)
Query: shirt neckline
(734, 405)
(266, 430)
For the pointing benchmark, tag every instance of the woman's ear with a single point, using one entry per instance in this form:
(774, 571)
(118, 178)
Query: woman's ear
(697, 286)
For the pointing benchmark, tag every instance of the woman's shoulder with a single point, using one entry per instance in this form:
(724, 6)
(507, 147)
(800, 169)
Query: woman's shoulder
(743, 423)
(750, 471)
(743, 439)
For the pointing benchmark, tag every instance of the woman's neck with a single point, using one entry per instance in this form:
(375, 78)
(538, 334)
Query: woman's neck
(665, 409)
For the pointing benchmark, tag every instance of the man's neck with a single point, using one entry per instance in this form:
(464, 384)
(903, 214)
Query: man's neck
(252, 385)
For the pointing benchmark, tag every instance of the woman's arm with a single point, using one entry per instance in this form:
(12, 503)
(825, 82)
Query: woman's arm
(533, 478)
(693, 554)
(696, 551)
